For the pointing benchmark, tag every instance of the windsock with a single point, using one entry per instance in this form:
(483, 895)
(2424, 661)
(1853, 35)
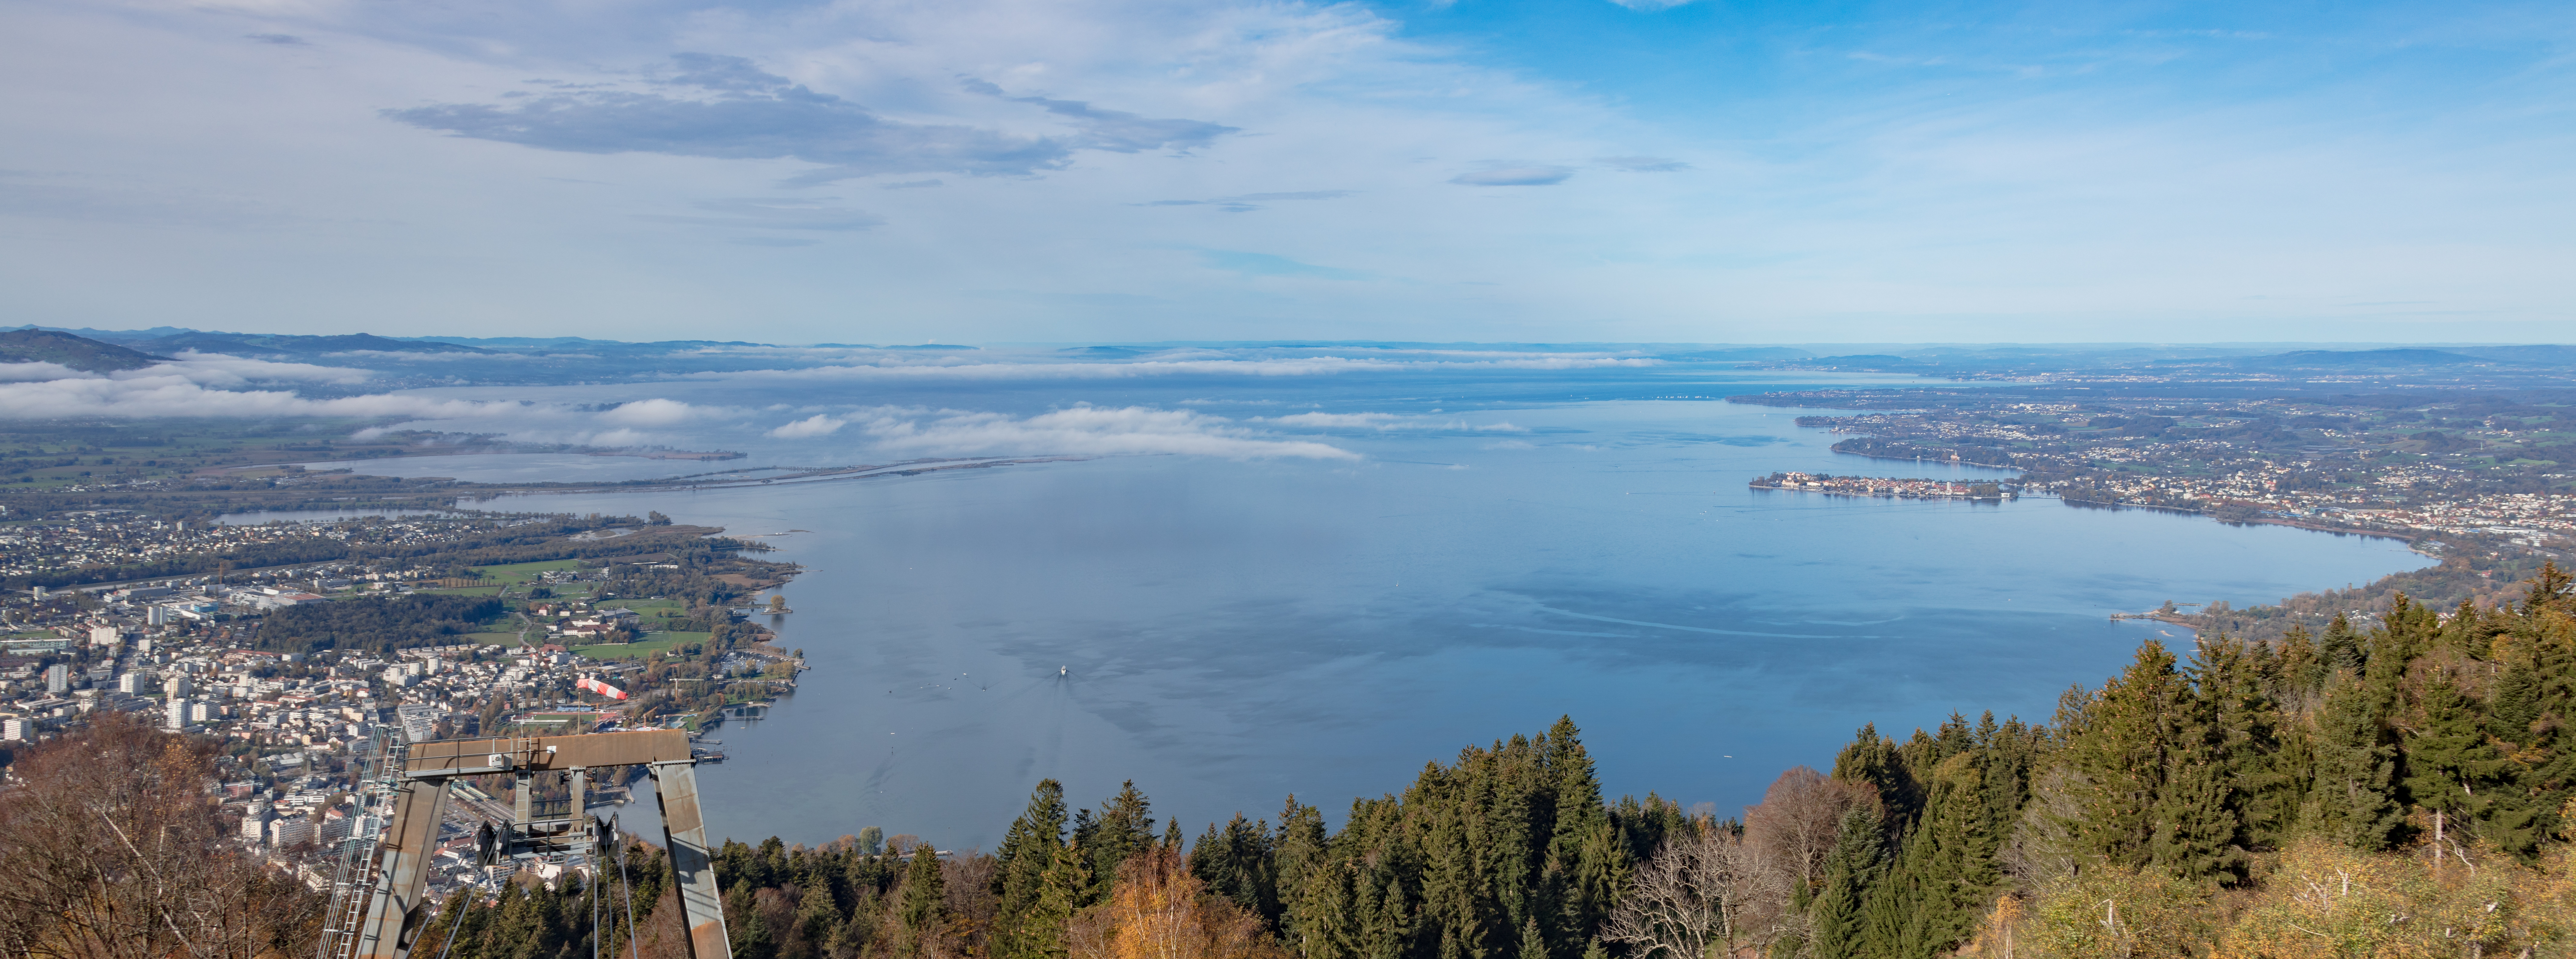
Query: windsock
(601, 688)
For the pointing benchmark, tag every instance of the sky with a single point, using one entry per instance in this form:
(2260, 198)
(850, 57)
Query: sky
(974, 171)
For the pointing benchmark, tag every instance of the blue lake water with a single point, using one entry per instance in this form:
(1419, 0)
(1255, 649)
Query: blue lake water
(1231, 631)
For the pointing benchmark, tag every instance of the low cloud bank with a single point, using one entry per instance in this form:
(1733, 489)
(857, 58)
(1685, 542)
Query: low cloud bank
(809, 427)
(1301, 366)
(1387, 421)
(174, 395)
(1080, 430)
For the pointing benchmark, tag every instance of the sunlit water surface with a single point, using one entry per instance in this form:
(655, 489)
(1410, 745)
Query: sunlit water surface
(1232, 632)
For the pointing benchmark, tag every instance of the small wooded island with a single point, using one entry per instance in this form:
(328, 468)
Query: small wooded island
(1887, 486)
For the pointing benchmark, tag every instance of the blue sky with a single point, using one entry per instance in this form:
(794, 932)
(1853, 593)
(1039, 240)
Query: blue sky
(1087, 170)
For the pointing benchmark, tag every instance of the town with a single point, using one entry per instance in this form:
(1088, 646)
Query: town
(2487, 471)
(305, 673)
(1882, 486)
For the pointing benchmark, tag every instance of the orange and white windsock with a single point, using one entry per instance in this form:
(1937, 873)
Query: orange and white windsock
(601, 688)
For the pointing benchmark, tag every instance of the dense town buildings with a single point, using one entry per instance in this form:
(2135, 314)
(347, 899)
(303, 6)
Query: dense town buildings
(299, 726)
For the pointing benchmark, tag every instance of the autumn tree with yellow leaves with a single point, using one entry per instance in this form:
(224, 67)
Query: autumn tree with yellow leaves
(1159, 910)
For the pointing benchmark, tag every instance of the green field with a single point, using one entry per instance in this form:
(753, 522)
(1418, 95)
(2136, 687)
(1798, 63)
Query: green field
(650, 644)
(493, 639)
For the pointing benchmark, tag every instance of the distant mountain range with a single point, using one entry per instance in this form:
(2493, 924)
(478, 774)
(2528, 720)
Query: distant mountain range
(64, 349)
(109, 350)
(282, 344)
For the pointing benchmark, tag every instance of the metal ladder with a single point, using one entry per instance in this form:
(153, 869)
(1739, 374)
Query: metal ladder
(355, 878)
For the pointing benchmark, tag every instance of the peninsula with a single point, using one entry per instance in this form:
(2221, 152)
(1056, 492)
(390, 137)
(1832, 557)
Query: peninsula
(1882, 486)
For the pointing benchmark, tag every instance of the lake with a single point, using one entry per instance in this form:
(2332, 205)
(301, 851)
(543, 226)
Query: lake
(1228, 631)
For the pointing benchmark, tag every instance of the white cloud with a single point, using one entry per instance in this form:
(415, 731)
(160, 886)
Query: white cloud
(25, 372)
(1334, 420)
(204, 369)
(176, 395)
(1388, 422)
(655, 412)
(809, 427)
(1081, 430)
(221, 370)
(1304, 366)
(390, 356)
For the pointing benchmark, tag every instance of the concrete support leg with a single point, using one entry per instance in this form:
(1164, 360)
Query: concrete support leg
(684, 830)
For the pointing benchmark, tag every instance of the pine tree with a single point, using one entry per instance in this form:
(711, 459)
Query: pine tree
(1876, 761)
(2195, 834)
(2341, 649)
(2302, 665)
(1040, 929)
(1892, 907)
(2236, 683)
(818, 918)
(2549, 588)
(2451, 766)
(1850, 870)
(1236, 863)
(1125, 828)
(1533, 945)
(745, 930)
(1298, 851)
(925, 896)
(1960, 869)
(1583, 849)
(2133, 729)
(2354, 799)
(1029, 850)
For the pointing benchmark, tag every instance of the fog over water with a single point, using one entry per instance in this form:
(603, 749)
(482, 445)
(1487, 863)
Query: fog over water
(1494, 554)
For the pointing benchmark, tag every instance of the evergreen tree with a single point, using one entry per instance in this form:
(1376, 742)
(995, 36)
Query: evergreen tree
(1876, 761)
(1959, 869)
(745, 930)
(2450, 764)
(2195, 825)
(925, 896)
(818, 919)
(1236, 863)
(2354, 798)
(2549, 588)
(1851, 869)
(1031, 848)
(2341, 649)
(1893, 907)
(1533, 945)
(1584, 851)
(1125, 827)
(2303, 668)
(1041, 928)
(2144, 727)
(2234, 681)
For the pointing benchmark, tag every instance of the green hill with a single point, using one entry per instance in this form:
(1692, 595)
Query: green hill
(79, 353)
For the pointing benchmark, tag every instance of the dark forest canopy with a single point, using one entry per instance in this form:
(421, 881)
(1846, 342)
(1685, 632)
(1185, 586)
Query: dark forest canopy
(376, 624)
